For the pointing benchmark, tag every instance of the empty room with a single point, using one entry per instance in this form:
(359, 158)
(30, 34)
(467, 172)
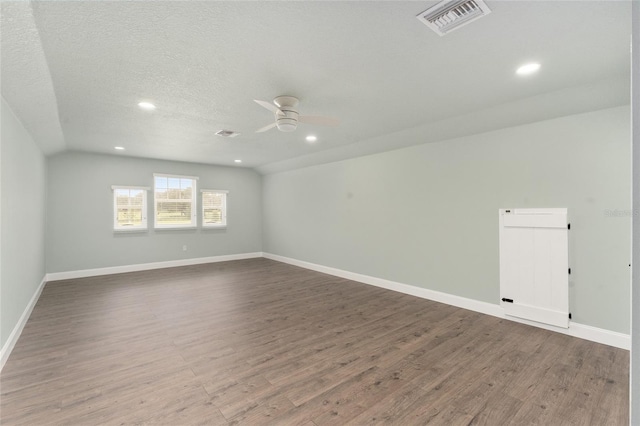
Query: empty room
(318, 212)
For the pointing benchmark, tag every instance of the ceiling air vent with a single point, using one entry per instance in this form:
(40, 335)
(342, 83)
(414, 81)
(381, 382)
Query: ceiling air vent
(227, 133)
(450, 15)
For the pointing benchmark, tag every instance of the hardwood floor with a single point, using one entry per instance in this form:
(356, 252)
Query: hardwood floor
(261, 342)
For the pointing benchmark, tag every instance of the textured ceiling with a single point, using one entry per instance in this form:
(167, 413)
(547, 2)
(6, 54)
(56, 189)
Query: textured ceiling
(75, 71)
(25, 77)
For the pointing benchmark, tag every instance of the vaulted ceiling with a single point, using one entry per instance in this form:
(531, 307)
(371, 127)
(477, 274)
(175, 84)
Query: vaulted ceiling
(75, 71)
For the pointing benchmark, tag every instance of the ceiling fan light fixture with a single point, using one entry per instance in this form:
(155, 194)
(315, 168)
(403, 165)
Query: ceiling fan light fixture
(287, 124)
(311, 138)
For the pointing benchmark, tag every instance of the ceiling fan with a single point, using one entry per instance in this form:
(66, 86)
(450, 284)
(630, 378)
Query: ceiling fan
(285, 109)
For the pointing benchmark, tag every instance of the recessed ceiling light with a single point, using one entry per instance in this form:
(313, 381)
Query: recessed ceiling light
(527, 69)
(311, 138)
(119, 148)
(147, 106)
(238, 161)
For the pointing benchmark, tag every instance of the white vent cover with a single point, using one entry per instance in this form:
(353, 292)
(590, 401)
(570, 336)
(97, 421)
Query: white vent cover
(450, 15)
(227, 133)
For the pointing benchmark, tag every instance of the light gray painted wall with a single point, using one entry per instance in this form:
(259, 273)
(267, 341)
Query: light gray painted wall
(635, 299)
(22, 251)
(80, 217)
(428, 215)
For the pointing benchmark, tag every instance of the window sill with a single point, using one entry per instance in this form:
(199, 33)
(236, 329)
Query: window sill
(174, 228)
(212, 227)
(129, 231)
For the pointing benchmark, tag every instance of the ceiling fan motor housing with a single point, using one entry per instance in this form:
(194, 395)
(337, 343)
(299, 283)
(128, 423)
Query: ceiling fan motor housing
(287, 122)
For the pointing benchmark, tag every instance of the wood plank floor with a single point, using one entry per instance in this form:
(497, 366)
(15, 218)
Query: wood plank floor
(261, 342)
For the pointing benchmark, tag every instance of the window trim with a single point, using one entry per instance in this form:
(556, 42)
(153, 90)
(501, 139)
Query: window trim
(224, 208)
(139, 228)
(168, 175)
(194, 203)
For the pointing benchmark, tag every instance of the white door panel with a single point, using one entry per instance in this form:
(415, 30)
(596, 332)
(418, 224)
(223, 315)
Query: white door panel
(536, 220)
(534, 279)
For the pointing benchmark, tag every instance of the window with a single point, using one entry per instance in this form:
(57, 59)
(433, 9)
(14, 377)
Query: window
(214, 208)
(175, 201)
(129, 208)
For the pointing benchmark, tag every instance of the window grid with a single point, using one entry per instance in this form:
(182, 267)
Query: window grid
(214, 208)
(174, 203)
(129, 208)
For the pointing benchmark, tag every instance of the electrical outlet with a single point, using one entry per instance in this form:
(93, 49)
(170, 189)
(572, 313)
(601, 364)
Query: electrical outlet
(184, 247)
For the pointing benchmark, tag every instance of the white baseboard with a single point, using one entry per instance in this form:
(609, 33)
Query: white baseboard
(17, 330)
(582, 331)
(56, 276)
(599, 335)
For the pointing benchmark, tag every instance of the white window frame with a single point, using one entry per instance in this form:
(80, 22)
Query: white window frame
(141, 227)
(194, 203)
(224, 208)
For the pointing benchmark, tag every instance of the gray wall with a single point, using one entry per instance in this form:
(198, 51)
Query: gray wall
(22, 247)
(635, 310)
(80, 216)
(428, 215)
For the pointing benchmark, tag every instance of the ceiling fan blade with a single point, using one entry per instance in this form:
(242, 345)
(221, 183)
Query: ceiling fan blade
(271, 107)
(267, 127)
(319, 119)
